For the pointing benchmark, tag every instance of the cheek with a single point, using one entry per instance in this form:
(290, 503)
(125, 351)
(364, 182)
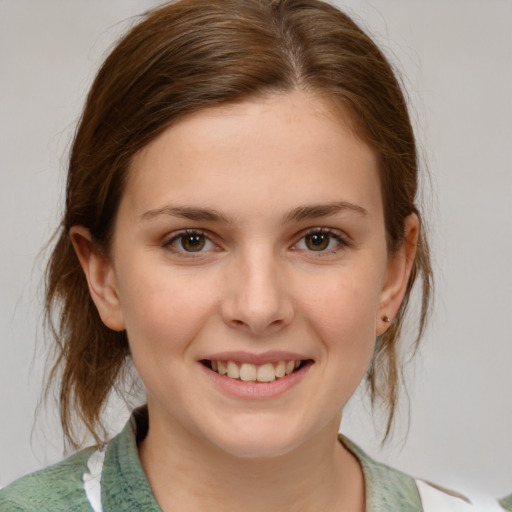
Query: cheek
(164, 309)
(344, 302)
(343, 312)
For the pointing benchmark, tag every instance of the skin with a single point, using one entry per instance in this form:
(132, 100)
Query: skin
(257, 285)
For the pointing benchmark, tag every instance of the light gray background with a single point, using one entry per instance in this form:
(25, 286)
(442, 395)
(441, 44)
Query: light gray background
(456, 57)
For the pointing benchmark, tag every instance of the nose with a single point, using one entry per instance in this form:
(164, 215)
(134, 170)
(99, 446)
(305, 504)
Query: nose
(257, 298)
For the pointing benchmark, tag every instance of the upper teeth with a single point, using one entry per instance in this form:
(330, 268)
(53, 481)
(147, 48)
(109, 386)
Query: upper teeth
(250, 372)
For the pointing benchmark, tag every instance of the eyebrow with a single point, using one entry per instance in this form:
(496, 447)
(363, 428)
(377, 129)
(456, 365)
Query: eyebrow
(315, 211)
(186, 212)
(300, 213)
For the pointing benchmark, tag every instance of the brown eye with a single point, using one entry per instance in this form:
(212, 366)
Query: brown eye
(189, 243)
(193, 242)
(324, 241)
(317, 241)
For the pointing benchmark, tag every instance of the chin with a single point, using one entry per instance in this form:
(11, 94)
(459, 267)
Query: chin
(257, 449)
(258, 441)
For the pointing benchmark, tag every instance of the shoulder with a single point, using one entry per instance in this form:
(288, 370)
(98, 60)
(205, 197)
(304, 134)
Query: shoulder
(56, 488)
(386, 488)
(506, 502)
(390, 489)
(110, 479)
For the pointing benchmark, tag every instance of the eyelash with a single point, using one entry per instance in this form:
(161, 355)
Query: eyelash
(181, 235)
(342, 242)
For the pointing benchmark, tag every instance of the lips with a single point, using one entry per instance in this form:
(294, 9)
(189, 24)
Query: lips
(251, 376)
(253, 372)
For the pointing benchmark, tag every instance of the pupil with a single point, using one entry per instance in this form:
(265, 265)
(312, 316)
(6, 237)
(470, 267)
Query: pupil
(317, 241)
(193, 243)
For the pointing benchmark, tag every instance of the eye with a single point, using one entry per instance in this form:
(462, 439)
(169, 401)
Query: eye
(321, 240)
(190, 241)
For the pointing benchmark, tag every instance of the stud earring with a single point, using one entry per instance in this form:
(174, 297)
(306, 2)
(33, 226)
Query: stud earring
(385, 318)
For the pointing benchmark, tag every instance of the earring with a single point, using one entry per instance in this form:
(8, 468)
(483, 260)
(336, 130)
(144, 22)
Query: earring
(385, 318)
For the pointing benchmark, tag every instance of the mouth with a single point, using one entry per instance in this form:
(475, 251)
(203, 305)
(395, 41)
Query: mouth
(248, 372)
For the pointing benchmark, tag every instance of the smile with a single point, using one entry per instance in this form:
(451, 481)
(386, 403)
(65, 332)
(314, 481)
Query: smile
(247, 372)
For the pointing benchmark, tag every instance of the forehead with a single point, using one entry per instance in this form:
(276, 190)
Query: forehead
(281, 149)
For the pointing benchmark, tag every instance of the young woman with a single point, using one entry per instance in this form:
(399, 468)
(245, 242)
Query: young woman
(241, 227)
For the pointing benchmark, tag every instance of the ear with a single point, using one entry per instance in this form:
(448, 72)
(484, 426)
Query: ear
(100, 277)
(399, 268)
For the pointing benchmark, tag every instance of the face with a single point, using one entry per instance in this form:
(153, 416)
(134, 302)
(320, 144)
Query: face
(250, 240)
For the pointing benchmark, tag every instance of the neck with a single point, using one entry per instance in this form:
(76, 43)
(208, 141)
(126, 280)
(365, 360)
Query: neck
(319, 475)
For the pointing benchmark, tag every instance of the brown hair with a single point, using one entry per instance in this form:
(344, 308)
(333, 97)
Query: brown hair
(184, 57)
